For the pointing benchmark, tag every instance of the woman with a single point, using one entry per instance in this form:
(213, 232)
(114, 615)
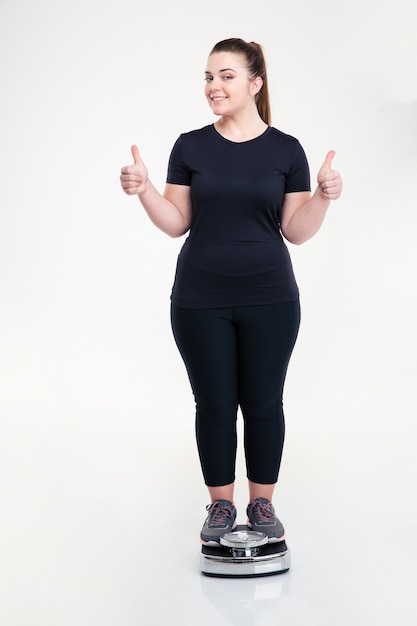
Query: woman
(237, 186)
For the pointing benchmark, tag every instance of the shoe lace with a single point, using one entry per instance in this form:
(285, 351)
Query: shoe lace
(263, 512)
(219, 513)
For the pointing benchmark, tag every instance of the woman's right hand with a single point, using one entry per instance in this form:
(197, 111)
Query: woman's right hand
(134, 177)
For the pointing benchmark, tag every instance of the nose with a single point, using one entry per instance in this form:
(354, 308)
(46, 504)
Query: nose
(215, 84)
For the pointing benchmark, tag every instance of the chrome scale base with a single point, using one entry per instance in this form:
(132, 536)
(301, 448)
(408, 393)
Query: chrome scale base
(245, 553)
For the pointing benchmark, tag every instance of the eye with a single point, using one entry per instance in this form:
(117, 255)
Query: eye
(227, 77)
(208, 78)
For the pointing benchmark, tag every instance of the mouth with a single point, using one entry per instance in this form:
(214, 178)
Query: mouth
(218, 98)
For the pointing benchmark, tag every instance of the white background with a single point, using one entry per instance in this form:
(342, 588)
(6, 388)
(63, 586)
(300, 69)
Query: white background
(100, 489)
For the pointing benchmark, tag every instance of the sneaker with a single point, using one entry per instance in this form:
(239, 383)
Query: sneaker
(262, 518)
(221, 519)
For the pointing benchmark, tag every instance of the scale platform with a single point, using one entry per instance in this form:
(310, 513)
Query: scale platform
(245, 553)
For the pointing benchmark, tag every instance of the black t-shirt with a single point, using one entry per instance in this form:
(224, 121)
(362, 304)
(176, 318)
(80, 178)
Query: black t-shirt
(234, 254)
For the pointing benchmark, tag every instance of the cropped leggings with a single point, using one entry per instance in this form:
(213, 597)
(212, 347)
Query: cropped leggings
(238, 357)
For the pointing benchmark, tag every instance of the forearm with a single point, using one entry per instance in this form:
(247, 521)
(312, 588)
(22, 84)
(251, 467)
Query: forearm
(162, 212)
(307, 220)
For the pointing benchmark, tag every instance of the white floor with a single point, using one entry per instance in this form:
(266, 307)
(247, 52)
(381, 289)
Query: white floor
(100, 522)
(77, 559)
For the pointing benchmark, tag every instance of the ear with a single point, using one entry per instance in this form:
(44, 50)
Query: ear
(256, 85)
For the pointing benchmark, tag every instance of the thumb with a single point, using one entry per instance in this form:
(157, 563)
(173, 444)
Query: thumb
(327, 165)
(135, 154)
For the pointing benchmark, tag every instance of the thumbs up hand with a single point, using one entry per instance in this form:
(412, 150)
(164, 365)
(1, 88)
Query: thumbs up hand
(329, 181)
(134, 177)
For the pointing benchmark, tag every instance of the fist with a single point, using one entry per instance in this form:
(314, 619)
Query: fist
(329, 181)
(134, 177)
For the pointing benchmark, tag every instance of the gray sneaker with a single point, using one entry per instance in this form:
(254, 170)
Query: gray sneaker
(262, 518)
(221, 519)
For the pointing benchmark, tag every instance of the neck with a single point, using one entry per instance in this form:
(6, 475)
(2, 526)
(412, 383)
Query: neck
(240, 129)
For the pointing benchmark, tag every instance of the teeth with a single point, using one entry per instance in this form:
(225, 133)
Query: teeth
(218, 99)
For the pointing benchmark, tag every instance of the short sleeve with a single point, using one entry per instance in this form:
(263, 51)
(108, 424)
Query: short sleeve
(298, 178)
(178, 172)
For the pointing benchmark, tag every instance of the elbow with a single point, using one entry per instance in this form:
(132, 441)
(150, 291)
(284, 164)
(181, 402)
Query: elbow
(296, 236)
(179, 228)
(173, 230)
(294, 239)
(176, 233)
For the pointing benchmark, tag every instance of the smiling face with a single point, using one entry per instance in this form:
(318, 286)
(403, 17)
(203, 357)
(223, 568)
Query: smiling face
(229, 88)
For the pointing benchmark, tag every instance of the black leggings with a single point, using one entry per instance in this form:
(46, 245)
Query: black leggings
(238, 357)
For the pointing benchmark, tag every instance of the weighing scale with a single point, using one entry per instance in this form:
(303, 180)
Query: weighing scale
(245, 553)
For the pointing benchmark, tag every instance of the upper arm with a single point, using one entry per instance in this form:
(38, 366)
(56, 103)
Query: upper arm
(292, 202)
(180, 197)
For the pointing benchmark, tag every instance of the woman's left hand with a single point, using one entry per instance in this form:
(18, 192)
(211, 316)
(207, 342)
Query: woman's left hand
(329, 181)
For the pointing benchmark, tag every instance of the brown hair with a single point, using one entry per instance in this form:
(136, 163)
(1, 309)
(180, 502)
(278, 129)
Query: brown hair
(255, 60)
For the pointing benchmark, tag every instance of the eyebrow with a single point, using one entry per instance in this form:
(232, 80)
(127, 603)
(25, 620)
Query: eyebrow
(226, 69)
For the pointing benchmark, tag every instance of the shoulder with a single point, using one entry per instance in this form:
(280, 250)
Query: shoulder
(289, 145)
(198, 134)
(283, 138)
(194, 142)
